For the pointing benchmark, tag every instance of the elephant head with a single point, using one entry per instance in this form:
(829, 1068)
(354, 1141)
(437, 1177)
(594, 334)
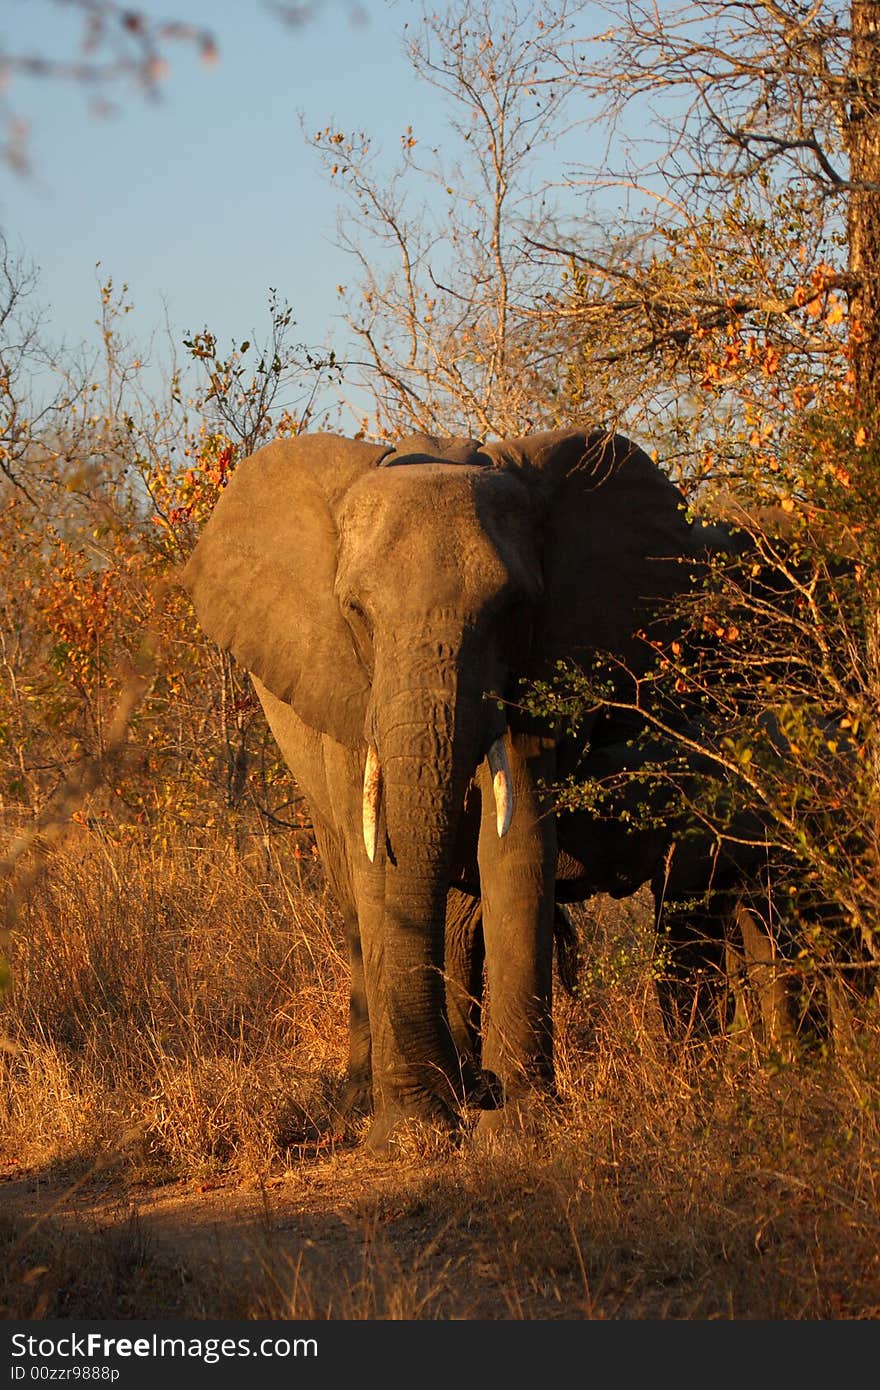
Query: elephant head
(394, 598)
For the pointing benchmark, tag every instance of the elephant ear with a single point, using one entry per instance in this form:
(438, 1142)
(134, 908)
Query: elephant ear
(616, 536)
(262, 577)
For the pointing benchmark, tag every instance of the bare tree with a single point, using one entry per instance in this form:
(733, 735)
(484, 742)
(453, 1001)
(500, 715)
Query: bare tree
(39, 387)
(748, 102)
(447, 338)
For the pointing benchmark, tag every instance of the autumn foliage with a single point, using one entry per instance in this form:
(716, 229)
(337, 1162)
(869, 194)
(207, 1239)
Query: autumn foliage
(96, 516)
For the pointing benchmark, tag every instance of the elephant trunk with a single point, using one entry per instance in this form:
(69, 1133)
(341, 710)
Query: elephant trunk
(429, 744)
(502, 788)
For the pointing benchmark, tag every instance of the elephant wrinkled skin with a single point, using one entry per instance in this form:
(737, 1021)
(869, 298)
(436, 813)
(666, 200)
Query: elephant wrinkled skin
(388, 602)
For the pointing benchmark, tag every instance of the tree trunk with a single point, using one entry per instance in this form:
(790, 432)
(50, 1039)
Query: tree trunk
(863, 146)
(863, 233)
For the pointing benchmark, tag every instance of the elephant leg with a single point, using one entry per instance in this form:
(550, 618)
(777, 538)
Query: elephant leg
(358, 1095)
(517, 879)
(371, 907)
(465, 960)
(358, 1099)
(359, 885)
(762, 973)
(567, 952)
(691, 980)
(465, 954)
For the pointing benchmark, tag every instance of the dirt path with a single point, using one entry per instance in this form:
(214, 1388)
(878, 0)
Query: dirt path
(340, 1236)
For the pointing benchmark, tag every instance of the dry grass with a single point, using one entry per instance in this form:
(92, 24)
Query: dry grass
(179, 1017)
(186, 1006)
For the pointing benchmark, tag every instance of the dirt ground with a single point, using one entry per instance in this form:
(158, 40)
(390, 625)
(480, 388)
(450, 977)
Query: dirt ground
(341, 1235)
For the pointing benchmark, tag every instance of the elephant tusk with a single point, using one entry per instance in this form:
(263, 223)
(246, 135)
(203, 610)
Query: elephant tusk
(502, 785)
(372, 799)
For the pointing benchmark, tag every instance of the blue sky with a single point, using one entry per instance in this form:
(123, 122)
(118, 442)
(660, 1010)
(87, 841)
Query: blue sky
(203, 200)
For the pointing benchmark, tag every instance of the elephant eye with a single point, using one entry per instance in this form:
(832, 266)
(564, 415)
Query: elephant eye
(361, 631)
(354, 610)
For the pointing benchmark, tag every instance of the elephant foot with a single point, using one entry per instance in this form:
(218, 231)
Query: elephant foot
(430, 1129)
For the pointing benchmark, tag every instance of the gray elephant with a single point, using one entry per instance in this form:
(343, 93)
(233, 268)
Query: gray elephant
(388, 602)
(721, 915)
(639, 831)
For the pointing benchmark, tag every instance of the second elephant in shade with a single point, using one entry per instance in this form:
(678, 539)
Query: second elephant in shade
(727, 941)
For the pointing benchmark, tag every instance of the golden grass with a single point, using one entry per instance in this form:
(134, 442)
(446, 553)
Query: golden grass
(187, 1006)
(179, 1016)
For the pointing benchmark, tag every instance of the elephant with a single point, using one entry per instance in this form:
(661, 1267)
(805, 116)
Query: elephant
(390, 602)
(719, 914)
(702, 878)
